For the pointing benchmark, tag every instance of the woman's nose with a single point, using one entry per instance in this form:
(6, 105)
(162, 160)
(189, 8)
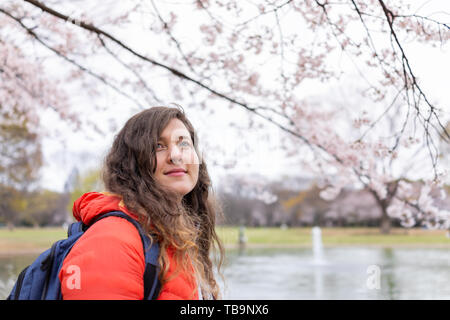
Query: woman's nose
(176, 155)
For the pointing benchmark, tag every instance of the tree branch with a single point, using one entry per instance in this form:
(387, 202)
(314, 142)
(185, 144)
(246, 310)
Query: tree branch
(71, 61)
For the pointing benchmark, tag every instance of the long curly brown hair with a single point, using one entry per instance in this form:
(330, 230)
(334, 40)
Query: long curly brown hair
(187, 227)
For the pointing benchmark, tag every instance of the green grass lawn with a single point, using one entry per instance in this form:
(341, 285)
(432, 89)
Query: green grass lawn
(336, 236)
(34, 240)
(29, 239)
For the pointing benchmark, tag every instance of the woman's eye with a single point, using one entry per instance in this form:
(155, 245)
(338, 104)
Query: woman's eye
(185, 143)
(159, 146)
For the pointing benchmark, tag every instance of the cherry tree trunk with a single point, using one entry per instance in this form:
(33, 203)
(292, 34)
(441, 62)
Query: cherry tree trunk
(385, 225)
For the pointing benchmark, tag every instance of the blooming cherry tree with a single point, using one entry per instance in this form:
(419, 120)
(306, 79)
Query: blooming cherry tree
(261, 57)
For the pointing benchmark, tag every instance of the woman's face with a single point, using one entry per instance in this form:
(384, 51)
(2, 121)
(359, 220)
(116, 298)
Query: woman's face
(177, 163)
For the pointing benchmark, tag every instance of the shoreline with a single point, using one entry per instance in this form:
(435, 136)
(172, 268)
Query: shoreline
(342, 245)
(230, 246)
(21, 252)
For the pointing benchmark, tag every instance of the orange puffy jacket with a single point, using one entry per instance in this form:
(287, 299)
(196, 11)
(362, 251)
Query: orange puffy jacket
(110, 257)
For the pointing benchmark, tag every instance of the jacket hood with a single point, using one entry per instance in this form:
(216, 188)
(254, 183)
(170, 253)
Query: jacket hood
(92, 204)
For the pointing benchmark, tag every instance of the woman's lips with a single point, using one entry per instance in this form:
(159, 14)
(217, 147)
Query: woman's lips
(176, 174)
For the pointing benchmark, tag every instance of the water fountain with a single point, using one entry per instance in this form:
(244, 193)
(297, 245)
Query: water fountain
(242, 240)
(317, 246)
(318, 260)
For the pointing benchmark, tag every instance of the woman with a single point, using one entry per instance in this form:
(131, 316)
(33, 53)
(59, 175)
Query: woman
(154, 174)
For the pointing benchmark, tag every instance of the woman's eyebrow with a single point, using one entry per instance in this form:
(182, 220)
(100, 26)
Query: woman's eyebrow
(179, 138)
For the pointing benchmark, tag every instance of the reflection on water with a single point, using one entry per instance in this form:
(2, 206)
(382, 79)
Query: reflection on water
(294, 274)
(10, 267)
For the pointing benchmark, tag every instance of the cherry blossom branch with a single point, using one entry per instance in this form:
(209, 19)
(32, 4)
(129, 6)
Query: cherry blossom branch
(373, 124)
(364, 172)
(138, 76)
(382, 63)
(408, 73)
(343, 44)
(177, 73)
(410, 85)
(254, 110)
(71, 61)
(201, 5)
(177, 44)
(426, 217)
(264, 12)
(390, 16)
(423, 18)
(280, 32)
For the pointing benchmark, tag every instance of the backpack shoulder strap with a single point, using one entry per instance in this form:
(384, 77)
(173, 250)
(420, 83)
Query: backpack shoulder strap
(152, 285)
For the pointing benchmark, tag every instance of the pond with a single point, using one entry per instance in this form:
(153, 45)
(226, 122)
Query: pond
(343, 273)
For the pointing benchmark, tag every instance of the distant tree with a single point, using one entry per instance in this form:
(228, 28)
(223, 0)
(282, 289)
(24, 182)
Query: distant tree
(87, 182)
(312, 208)
(246, 203)
(42, 208)
(20, 162)
(237, 209)
(10, 205)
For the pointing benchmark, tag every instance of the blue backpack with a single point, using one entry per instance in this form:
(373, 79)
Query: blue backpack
(40, 281)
